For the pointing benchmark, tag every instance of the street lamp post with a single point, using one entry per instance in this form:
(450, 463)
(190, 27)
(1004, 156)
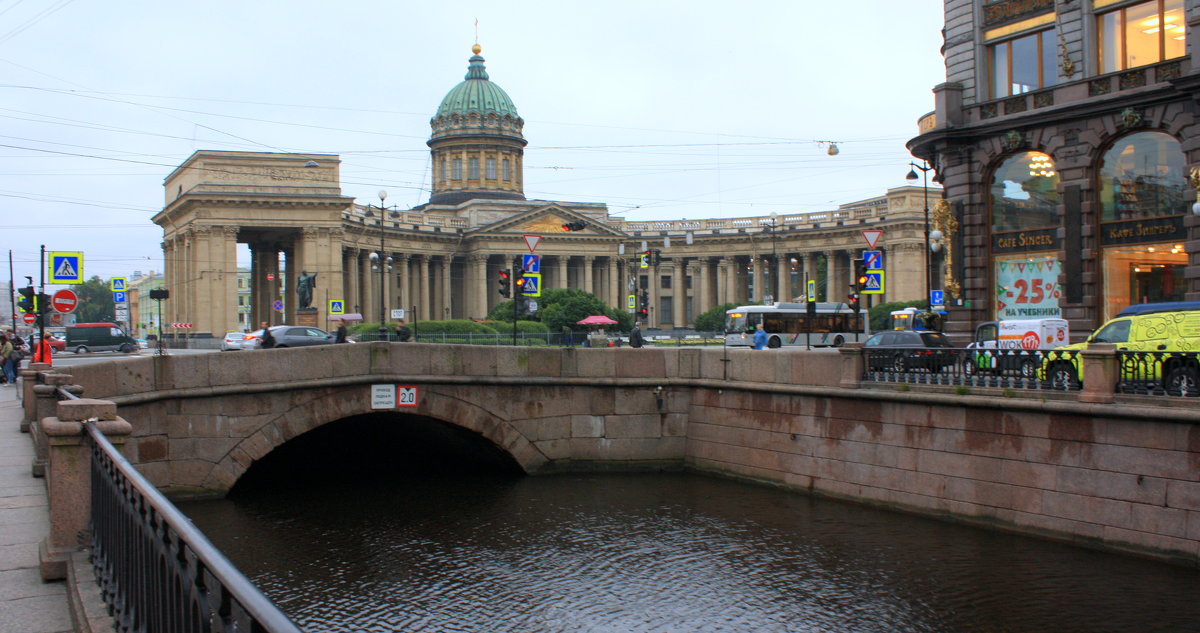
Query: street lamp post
(767, 293)
(383, 263)
(912, 179)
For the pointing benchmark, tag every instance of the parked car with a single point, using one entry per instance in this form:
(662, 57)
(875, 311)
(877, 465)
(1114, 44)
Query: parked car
(289, 336)
(233, 340)
(905, 350)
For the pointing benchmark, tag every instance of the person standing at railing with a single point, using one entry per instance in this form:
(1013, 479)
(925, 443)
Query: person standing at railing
(42, 353)
(403, 332)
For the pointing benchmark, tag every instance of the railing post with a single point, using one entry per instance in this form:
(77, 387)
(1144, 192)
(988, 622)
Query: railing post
(68, 478)
(47, 395)
(1100, 373)
(852, 365)
(28, 379)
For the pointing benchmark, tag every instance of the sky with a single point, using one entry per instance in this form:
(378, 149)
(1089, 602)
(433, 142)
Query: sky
(660, 109)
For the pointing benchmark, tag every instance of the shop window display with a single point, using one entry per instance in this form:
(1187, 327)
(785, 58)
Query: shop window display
(1141, 176)
(1025, 193)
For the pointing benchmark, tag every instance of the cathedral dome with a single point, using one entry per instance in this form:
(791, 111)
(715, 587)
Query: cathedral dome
(477, 95)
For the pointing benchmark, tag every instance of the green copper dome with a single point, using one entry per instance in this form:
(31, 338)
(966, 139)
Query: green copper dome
(477, 94)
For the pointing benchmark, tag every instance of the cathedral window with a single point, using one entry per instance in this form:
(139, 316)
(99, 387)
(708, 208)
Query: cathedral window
(458, 169)
(473, 168)
(491, 168)
(507, 172)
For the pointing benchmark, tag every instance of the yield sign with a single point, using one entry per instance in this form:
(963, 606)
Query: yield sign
(872, 236)
(532, 241)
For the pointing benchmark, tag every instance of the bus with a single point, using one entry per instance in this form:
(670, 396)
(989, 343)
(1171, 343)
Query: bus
(788, 324)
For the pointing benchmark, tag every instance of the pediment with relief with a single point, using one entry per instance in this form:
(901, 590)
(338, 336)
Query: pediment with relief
(548, 221)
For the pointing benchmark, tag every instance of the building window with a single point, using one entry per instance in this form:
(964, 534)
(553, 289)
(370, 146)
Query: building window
(1141, 34)
(1141, 176)
(1022, 64)
(1025, 193)
(473, 168)
(665, 281)
(491, 168)
(458, 169)
(445, 172)
(507, 173)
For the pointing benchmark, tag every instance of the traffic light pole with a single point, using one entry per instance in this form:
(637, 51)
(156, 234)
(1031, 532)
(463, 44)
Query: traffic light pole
(12, 284)
(41, 309)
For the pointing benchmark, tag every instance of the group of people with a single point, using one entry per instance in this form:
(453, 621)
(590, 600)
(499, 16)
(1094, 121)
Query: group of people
(13, 350)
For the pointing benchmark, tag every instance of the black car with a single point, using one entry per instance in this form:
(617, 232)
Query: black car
(904, 350)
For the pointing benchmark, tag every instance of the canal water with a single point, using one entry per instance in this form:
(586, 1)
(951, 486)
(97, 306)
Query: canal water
(671, 553)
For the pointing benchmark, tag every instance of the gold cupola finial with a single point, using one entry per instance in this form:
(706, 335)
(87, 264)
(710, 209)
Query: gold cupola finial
(476, 49)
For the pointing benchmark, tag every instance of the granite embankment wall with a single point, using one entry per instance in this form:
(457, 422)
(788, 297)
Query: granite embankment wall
(1122, 476)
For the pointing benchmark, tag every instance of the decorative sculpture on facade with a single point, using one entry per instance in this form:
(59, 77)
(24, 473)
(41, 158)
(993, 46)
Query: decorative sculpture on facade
(304, 288)
(944, 221)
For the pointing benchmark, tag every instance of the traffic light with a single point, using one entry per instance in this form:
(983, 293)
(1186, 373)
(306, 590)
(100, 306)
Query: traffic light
(644, 306)
(853, 301)
(860, 277)
(27, 302)
(504, 279)
(646, 259)
(519, 283)
(42, 304)
(657, 257)
(574, 226)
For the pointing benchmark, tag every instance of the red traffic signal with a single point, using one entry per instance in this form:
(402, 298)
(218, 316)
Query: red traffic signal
(574, 226)
(504, 279)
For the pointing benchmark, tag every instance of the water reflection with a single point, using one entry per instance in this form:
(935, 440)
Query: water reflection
(665, 553)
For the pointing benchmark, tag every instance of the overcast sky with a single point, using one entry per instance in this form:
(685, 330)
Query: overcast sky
(662, 110)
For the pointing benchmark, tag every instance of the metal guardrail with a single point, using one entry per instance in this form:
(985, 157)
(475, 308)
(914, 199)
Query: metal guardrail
(551, 339)
(157, 572)
(1053, 370)
(1159, 373)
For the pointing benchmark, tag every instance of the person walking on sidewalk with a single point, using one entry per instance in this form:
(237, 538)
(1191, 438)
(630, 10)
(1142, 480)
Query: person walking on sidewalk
(6, 353)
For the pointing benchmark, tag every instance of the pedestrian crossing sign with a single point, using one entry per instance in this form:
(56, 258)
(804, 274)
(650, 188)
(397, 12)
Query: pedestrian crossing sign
(337, 306)
(65, 268)
(118, 284)
(533, 285)
(874, 285)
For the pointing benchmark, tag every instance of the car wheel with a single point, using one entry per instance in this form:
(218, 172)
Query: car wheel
(837, 341)
(1028, 368)
(1182, 381)
(82, 349)
(774, 343)
(1062, 376)
(898, 363)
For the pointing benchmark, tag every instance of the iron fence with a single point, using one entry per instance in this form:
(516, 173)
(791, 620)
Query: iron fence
(1159, 373)
(156, 571)
(1053, 370)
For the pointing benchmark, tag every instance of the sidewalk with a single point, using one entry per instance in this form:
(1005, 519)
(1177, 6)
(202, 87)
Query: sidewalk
(27, 604)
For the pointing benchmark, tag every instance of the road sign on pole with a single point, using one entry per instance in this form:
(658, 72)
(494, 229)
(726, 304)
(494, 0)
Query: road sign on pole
(65, 268)
(937, 298)
(531, 263)
(872, 260)
(64, 301)
(872, 236)
(532, 241)
(29, 318)
(874, 285)
(337, 306)
(119, 297)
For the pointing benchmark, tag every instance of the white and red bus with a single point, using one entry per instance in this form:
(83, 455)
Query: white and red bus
(789, 325)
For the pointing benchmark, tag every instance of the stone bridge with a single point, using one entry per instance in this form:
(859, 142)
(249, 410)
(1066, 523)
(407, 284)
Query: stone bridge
(1122, 475)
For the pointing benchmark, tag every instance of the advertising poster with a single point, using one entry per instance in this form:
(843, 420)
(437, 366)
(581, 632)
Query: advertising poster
(1027, 288)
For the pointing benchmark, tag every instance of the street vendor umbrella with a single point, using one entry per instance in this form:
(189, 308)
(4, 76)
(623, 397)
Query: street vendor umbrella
(597, 319)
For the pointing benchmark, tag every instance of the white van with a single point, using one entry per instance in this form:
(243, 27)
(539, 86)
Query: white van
(1019, 345)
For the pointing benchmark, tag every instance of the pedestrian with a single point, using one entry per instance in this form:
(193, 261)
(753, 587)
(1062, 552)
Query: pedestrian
(268, 339)
(760, 337)
(340, 337)
(42, 353)
(635, 336)
(567, 339)
(6, 352)
(403, 333)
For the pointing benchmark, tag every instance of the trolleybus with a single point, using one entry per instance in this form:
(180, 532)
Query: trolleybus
(789, 324)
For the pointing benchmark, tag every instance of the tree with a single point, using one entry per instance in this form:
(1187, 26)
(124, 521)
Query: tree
(713, 320)
(95, 302)
(564, 306)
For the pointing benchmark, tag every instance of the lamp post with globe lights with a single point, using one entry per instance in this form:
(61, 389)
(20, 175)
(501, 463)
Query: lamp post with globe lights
(930, 247)
(382, 262)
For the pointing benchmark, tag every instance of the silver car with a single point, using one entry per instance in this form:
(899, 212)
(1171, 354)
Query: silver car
(233, 340)
(289, 336)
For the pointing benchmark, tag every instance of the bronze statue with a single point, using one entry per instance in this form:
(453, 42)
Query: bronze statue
(304, 288)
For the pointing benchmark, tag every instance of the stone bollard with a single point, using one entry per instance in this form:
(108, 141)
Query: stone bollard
(45, 393)
(28, 380)
(1100, 373)
(68, 478)
(852, 365)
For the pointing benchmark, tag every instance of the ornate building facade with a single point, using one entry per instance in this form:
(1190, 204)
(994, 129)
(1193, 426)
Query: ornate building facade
(1065, 139)
(441, 259)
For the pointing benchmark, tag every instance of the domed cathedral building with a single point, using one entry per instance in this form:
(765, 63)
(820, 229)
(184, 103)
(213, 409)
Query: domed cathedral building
(1065, 138)
(442, 259)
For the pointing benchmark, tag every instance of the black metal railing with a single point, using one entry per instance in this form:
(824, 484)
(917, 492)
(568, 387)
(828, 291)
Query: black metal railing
(157, 572)
(1159, 373)
(1041, 370)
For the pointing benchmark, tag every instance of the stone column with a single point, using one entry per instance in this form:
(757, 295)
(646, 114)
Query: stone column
(760, 291)
(561, 276)
(831, 264)
(732, 294)
(679, 296)
(588, 263)
(423, 306)
(615, 297)
(447, 309)
(477, 285)
(810, 272)
(368, 294)
(404, 293)
(783, 278)
(68, 481)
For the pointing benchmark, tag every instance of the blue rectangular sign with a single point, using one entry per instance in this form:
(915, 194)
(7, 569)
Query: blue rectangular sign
(119, 297)
(936, 297)
(872, 260)
(531, 263)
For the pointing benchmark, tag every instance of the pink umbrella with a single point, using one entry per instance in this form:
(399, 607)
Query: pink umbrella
(597, 319)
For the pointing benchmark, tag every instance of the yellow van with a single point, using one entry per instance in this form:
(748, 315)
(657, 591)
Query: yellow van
(1160, 327)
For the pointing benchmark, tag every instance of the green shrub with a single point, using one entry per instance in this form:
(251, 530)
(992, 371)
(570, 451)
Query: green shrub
(714, 320)
(453, 326)
(522, 326)
(880, 314)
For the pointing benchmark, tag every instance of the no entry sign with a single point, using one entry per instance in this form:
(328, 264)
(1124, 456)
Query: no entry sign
(29, 318)
(64, 301)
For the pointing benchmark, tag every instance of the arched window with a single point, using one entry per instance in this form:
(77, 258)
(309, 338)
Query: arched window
(491, 168)
(1025, 193)
(507, 173)
(473, 168)
(1141, 176)
(457, 169)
